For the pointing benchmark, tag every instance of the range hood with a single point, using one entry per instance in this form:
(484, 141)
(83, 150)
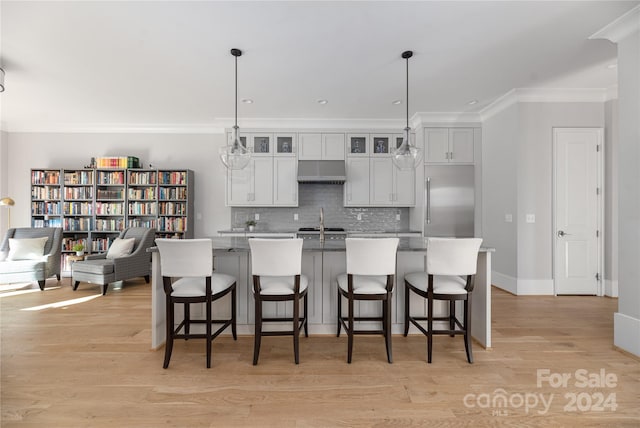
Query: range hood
(321, 171)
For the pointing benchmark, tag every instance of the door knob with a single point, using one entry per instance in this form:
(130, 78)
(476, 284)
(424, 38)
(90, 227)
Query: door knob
(562, 233)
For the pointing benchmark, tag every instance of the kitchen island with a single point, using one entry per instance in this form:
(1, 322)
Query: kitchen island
(322, 262)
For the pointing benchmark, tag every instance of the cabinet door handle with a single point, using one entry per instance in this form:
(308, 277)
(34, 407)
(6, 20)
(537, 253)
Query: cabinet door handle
(450, 155)
(390, 197)
(349, 196)
(428, 198)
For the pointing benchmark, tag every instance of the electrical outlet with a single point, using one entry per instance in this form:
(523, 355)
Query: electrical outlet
(256, 216)
(295, 217)
(359, 216)
(531, 218)
(508, 218)
(398, 217)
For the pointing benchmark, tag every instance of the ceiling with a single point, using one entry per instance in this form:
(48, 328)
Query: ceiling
(159, 64)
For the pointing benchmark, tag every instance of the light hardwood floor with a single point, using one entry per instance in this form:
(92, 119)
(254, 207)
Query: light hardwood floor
(70, 362)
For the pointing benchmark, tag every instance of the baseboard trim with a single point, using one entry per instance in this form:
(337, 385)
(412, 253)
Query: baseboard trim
(535, 287)
(504, 282)
(626, 333)
(611, 288)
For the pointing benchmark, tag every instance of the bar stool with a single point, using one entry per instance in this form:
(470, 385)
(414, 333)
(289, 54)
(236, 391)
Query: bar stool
(276, 266)
(447, 260)
(371, 265)
(186, 266)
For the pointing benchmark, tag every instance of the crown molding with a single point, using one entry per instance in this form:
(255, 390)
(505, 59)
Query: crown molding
(426, 118)
(113, 128)
(547, 95)
(621, 28)
(306, 123)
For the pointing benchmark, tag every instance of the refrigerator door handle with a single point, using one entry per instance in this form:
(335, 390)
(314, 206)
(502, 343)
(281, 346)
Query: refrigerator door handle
(428, 199)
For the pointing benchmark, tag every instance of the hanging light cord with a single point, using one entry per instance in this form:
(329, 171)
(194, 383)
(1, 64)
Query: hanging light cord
(236, 121)
(407, 92)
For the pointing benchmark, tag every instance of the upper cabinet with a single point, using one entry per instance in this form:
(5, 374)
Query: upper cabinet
(321, 146)
(448, 145)
(270, 179)
(372, 178)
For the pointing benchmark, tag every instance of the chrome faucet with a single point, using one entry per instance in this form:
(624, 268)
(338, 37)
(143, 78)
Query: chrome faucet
(321, 224)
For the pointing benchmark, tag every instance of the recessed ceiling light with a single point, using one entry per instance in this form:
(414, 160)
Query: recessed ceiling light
(612, 66)
(396, 102)
(247, 101)
(323, 102)
(472, 102)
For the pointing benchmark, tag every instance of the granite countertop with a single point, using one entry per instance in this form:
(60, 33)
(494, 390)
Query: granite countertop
(359, 232)
(240, 244)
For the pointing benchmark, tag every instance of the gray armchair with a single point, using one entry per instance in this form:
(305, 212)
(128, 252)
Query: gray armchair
(97, 269)
(32, 270)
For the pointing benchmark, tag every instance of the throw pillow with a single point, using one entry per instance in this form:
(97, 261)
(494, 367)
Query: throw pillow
(27, 248)
(120, 248)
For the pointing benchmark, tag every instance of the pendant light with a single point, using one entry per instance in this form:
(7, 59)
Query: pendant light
(235, 155)
(407, 156)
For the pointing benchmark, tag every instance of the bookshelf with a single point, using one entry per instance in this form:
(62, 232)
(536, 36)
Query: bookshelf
(175, 203)
(46, 198)
(94, 205)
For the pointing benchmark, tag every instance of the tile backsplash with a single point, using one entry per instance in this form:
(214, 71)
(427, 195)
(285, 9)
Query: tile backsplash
(311, 198)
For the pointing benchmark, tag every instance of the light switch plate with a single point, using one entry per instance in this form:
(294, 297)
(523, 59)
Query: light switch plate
(256, 216)
(398, 217)
(531, 218)
(295, 217)
(359, 216)
(508, 218)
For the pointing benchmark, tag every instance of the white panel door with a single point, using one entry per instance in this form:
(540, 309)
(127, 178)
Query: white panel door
(576, 210)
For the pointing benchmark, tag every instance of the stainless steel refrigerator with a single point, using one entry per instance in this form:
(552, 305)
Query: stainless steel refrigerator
(449, 201)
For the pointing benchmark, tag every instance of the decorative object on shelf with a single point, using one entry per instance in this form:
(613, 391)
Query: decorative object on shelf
(8, 202)
(79, 249)
(251, 224)
(235, 155)
(407, 156)
(1, 80)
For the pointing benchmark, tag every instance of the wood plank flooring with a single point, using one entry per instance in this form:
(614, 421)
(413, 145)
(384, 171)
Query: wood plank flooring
(78, 359)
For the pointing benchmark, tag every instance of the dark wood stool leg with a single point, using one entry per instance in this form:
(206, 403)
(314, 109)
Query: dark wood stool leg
(296, 328)
(258, 330)
(467, 328)
(306, 316)
(407, 291)
(452, 316)
(41, 284)
(339, 313)
(387, 327)
(350, 332)
(104, 289)
(75, 285)
(233, 312)
(168, 347)
(429, 327)
(187, 320)
(208, 333)
(146, 279)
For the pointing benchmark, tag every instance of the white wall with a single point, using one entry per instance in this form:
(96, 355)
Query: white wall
(499, 178)
(611, 198)
(535, 185)
(198, 152)
(4, 180)
(627, 319)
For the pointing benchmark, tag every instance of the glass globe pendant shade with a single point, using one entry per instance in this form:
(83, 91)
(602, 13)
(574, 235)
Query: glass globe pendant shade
(406, 156)
(235, 155)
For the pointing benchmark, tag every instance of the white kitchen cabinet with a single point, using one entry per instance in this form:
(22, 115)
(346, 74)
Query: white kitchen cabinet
(448, 145)
(285, 185)
(356, 187)
(253, 185)
(321, 146)
(381, 181)
(390, 186)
